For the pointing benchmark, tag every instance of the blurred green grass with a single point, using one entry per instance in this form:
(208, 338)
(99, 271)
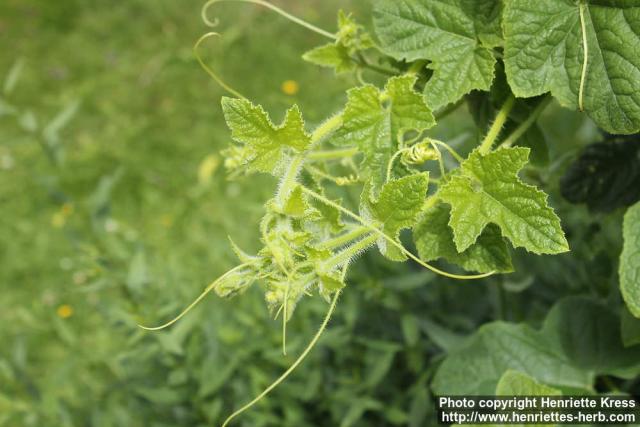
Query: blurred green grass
(110, 224)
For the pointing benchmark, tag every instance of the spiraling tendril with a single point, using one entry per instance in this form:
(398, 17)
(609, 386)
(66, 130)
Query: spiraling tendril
(268, 5)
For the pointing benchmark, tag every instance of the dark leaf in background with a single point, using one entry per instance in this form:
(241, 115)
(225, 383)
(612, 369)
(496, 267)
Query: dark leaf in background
(606, 175)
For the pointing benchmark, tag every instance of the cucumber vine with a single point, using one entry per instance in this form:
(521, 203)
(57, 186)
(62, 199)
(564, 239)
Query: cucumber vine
(379, 146)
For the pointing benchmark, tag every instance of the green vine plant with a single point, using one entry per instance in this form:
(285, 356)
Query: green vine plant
(468, 215)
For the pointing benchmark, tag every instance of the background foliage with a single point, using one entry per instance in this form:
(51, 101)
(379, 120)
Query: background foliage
(115, 210)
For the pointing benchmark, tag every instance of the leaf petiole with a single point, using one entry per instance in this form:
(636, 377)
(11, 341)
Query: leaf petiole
(524, 126)
(496, 127)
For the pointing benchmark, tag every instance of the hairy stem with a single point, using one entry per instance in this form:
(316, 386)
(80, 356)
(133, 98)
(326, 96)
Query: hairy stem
(289, 180)
(390, 239)
(343, 239)
(274, 8)
(524, 126)
(497, 125)
(344, 256)
(325, 129)
(332, 154)
(293, 366)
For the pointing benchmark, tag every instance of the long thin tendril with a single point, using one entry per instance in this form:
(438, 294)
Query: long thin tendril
(451, 151)
(268, 5)
(392, 159)
(391, 240)
(585, 61)
(443, 172)
(209, 71)
(197, 300)
(294, 365)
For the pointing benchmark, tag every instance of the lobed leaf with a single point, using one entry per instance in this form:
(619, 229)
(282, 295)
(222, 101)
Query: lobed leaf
(264, 142)
(488, 190)
(434, 239)
(456, 36)
(398, 207)
(376, 122)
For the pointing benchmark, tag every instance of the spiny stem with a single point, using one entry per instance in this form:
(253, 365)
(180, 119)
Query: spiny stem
(197, 300)
(325, 129)
(390, 239)
(585, 61)
(289, 180)
(209, 71)
(343, 239)
(497, 125)
(274, 8)
(293, 366)
(524, 126)
(332, 154)
(343, 257)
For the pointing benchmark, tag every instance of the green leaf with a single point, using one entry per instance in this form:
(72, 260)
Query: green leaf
(376, 122)
(544, 53)
(434, 239)
(265, 143)
(580, 339)
(398, 207)
(488, 190)
(516, 383)
(477, 367)
(351, 39)
(333, 55)
(456, 36)
(606, 175)
(630, 260)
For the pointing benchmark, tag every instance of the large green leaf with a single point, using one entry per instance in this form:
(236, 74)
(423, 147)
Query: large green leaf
(456, 36)
(488, 190)
(579, 340)
(376, 122)
(630, 260)
(434, 239)
(515, 383)
(544, 52)
(264, 142)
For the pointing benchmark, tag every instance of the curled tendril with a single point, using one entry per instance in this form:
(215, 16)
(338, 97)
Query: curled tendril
(208, 69)
(268, 5)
